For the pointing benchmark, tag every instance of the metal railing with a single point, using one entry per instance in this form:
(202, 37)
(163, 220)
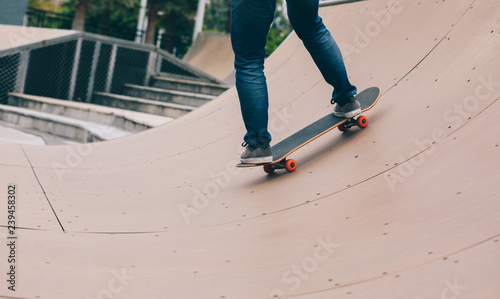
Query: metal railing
(48, 19)
(75, 66)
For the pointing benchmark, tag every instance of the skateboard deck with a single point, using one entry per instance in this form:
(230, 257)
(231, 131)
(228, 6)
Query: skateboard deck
(367, 98)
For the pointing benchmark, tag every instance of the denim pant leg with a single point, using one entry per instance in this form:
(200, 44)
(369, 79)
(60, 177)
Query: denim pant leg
(308, 25)
(250, 23)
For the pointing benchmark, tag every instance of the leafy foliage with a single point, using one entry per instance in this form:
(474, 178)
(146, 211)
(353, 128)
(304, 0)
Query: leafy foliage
(177, 19)
(47, 5)
(217, 16)
(116, 18)
(217, 19)
(279, 29)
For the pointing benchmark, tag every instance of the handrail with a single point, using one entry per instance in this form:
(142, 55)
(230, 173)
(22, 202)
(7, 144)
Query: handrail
(112, 40)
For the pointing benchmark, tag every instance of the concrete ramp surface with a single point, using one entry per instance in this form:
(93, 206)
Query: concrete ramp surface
(406, 208)
(213, 54)
(14, 36)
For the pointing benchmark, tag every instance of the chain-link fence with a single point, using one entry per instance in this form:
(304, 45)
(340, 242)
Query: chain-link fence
(76, 66)
(9, 67)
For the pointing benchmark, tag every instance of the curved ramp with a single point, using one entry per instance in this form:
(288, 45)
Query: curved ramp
(213, 54)
(407, 208)
(15, 36)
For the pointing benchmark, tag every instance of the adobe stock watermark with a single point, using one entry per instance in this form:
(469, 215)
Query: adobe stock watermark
(452, 290)
(202, 197)
(73, 158)
(455, 117)
(304, 269)
(280, 120)
(27, 33)
(364, 36)
(116, 285)
(75, 155)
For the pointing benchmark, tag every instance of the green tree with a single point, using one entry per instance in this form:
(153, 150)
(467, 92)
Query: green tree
(279, 29)
(154, 7)
(178, 22)
(47, 5)
(120, 12)
(45, 13)
(217, 19)
(117, 18)
(177, 17)
(217, 16)
(80, 13)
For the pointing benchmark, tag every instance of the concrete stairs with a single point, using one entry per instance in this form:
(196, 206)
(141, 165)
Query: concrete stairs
(167, 96)
(80, 122)
(64, 127)
(188, 86)
(171, 110)
(173, 97)
(109, 116)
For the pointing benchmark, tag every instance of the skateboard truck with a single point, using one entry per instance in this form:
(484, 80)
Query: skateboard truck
(288, 164)
(361, 122)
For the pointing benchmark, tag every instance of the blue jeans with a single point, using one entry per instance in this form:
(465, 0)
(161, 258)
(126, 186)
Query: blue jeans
(250, 23)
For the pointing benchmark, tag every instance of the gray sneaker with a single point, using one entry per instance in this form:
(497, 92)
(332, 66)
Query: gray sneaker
(257, 155)
(348, 110)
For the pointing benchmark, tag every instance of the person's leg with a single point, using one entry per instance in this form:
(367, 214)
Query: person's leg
(303, 15)
(250, 23)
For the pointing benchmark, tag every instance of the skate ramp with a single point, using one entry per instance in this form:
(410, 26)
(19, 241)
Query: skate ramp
(14, 36)
(213, 54)
(406, 208)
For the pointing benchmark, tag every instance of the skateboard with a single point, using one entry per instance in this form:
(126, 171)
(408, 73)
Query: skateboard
(367, 98)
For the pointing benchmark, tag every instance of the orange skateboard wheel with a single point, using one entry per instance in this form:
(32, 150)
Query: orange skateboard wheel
(290, 165)
(268, 168)
(362, 121)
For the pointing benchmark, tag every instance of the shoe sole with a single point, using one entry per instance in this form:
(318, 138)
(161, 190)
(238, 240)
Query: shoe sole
(261, 160)
(350, 114)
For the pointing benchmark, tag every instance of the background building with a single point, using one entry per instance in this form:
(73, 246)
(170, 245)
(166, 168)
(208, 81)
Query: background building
(12, 12)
